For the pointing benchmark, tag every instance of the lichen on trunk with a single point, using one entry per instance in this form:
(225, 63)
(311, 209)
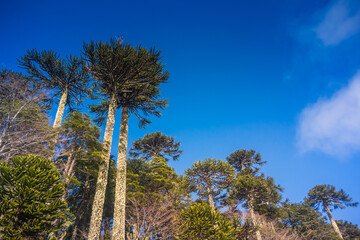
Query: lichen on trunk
(61, 109)
(211, 199)
(120, 187)
(333, 223)
(253, 218)
(99, 198)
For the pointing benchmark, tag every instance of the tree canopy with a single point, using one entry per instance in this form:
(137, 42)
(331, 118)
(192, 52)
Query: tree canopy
(30, 193)
(156, 145)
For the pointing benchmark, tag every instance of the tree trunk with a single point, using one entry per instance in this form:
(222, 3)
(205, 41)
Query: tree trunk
(333, 223)
(211, 199)
(253, 218)
(74, 233)
(99, 198)
(60, 110)
(120, 187)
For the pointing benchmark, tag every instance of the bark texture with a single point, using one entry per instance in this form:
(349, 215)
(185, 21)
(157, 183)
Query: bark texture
(333, 223)
(211, 199)
(253, 218)
(99, 198)
(120, 187)
(60, 110)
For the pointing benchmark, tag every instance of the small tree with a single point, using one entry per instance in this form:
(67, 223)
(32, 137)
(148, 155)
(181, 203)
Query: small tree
(200, 222)
(30, 193)
(209, 177)
(156, 145)
(326, 196)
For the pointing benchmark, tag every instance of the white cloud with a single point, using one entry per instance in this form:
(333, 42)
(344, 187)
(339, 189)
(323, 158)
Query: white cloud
(333, 125)
(338, 23)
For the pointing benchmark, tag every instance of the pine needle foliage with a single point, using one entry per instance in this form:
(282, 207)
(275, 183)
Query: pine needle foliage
(200, 222)
(131, 75)
(30, 198)
(209, 177)
(255, 191)
(156, 145)
(242, 159)
(326, 195)
(60, 75)
(307, 222)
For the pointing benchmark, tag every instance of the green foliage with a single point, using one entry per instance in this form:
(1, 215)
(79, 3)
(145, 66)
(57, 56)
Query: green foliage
(79, 142)
(131, 75)
(201, 222)
(243, 228)
(80, 155)
(307, 222)
(155, 194)
(242, 159)
(327, 196)
(210, 177)
(155, 178)
(156, 145)
(30, 198)
(58, 74)
(349, 230)
(257, 192)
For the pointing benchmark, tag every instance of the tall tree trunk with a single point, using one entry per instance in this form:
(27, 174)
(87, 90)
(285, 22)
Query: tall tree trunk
(99, 198)
(61, 109)
(253, 218)
(211, 199)
(120, 187)
(333, 223)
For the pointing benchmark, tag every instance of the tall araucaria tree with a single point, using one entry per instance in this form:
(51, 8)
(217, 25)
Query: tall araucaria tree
(156, 145)
(67, 78)
(326, 196)
(209, 177)
(127, 78)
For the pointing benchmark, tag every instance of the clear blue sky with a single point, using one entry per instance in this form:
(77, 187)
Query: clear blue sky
(280, 77)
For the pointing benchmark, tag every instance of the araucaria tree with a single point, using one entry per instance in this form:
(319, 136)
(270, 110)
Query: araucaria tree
(127, 77)
(326, 196)
(155, 195)
(156, 145)
(253, 192)
(209, 177)
(242, 159)
(68, 77)
(30, 193)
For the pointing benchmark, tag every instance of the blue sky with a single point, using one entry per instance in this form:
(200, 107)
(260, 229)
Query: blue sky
(281, 77)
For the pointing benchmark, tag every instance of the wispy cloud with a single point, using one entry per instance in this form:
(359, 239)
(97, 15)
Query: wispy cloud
(338, 23)
(333, 125)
